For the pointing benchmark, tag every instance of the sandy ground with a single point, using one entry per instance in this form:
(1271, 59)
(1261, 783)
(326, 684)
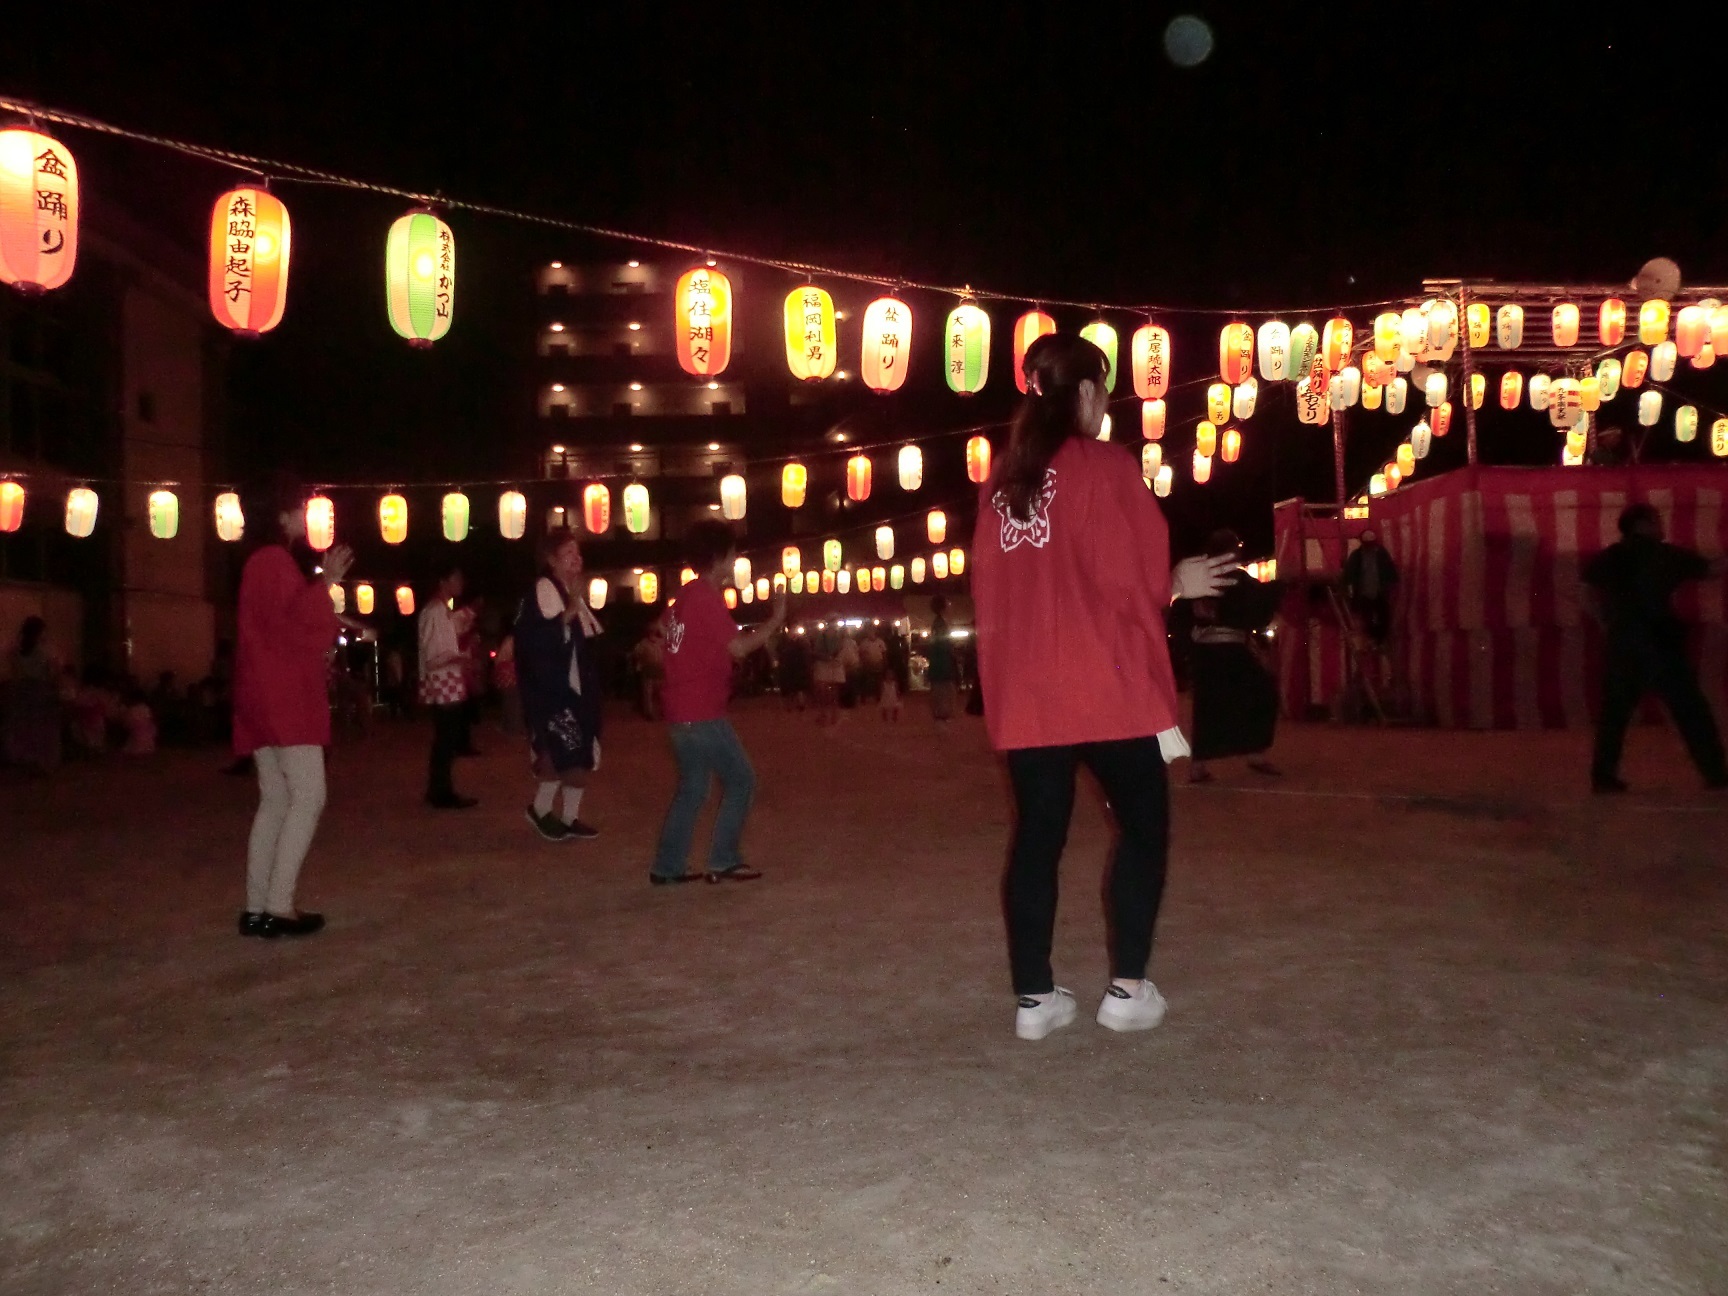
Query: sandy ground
(1439, 1024)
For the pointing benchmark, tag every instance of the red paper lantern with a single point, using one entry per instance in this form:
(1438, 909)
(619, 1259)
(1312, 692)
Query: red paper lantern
(1031, 326)
(597, 508)
(702, 319)
(858, 478)
(978, 460)
(1235, 353)
(38, 210)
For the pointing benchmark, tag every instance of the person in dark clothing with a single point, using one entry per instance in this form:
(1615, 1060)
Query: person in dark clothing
(1633, 583)
(1235, 696)
(1370, 577)
(943, 671)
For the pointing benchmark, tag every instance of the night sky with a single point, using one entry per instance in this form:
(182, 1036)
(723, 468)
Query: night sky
(1324, 156)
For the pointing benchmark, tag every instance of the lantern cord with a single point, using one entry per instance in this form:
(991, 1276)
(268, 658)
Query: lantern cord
(291, 171)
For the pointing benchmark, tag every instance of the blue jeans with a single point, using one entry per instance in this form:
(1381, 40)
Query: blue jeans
(705, 749)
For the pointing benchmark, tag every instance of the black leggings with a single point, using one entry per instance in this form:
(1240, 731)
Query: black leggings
(1131, 772)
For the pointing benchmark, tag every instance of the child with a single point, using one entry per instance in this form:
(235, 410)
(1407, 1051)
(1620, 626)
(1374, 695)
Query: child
(890, 696)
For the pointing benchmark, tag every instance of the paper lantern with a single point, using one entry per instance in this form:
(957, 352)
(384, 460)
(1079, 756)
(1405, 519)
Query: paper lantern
(597, 508)
(1152, 415)
(1434, 389)
(1413, 331)
(1538, 391)
(831, 555)
(956, 562)
(897, 577)
(648, 588)
(1375, 371)
(1608, 378)
(1477, 320)
(884, 541)
(685, 575)
(1218, 403)
(878, 579)
(978, 459)
(1691, 330)
(1633, 371)
(1662, 361)
(911, 468)
(636, 511)
(338, 599)
(731, 597)
(1478, 390)
(1202, 468)
(1649, 408)
(887, 344)
(702, 321)
(1235, 352)
(405, 600)
(1274, 350)
(811, 351)
(1397, 393)
(1393, 474)
(38, 210)
(1304, 347)
(1336, 341)
(420, 277)
(791, 561)
(1406, 459)
(1611, 322)
(1373, 397)
(1719, 438)
(364, 599)
(1335, 392)
(763, 587)
(794, 479)
(163, 510)
(1151, 460)
(1031, 326)
(1245, 397)
(842, 580)
(11, 506)
(81, 508)
(1103, 336)
(1351, 378)
(1719, 329)
(1653, 322)
(1442, 330)
(1404, 363)
(936, 526)
(1377, 484)
(453, 516)
(1230, 448)
(1565, 402)
(858, 478)
(597, 593)
(741, 571)
(1590, 394)
(512, 515)
(1509, 328)
(732, 497)
(968, 344)
(864, 581)
(1421, 441)
(320, 523)
(1149, 356)
(1706, 356)
(1442, 423)
(230, 517)
(747, 594)
(249, 237)
(1686, 424)
(1388, 333)
(393, 518)
(1565, 325)
(917, 571)
(1206, 439)
(939, 565)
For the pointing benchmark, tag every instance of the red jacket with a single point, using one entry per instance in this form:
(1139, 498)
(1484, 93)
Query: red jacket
(287, 625)
(1071, 645)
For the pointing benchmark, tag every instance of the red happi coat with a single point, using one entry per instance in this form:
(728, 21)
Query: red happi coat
(1070, 605)
(287, 625)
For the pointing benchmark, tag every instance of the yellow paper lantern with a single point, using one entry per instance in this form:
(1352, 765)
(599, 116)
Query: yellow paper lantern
(1102, 336)
(1478, 390)
(420, 277)
(38, 210)
(1231, 448)
(164, 511)
(1373, 397)
(732, 497)
(793, 481)
(1653, 322)
(887, 344)
(1388, 336)
(884, 541)
(702, 321)
(1336, 339)
(81, 508)
(1565, 325)
(249, 245)
(911, 468)
(637, 513)
(1235, 352)
(512, 515)
(791, 561)
(740, 571)
(917, 571)
(939, 565)
(648, 587)
(1406, 459)
(936, 526)
(863, 580)
(393, 518)
(1149, 355)
(320, 523)
(1031, 326)
(1205, 439)
(1218, 403)
(831, 555)
(1478, 320)
(405, 600)
(763, 587)
(1152, 415)
(795, 582)
(956, 562)
(11, 506)
(230, 517)
(1590, 394)
(1719, 438)
(453, 514)
(978, 460)
(364, 599)
(811, 350)
(858, 478)
(685, 576)
(1706, 356)
(731, 597)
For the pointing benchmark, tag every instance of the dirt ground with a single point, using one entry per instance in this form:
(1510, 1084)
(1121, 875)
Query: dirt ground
(1439, 1023)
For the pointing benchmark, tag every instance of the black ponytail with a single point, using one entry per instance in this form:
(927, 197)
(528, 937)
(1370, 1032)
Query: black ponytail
(1049, 414)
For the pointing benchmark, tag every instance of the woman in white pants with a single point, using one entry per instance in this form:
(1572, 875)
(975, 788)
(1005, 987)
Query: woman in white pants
(287, 626)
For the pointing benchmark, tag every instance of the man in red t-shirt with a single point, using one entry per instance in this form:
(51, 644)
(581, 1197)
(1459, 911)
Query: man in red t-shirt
(702, 642)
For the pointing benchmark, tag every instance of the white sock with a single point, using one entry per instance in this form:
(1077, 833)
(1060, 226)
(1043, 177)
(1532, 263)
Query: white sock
(572, 803)
(545, 798)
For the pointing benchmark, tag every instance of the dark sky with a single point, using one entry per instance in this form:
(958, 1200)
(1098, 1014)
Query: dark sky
(1321, 155)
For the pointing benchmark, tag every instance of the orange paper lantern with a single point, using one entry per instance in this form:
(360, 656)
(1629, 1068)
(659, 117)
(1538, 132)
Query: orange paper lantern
(249, 238)
(597, 508)
(978, 460)
(393, 518)
(1511, 389)
(1150, 357)
(1031, 326)
(11, 506)
(1611, 322)
(1691, 330)
(320, 523)
(1335, 342)
(38, 210)
(936, 526)
(1231, 450)
(794, 478)
(858, 478)
(1633, 371)
(702, 321)
(1152, 416)
(1235, 352)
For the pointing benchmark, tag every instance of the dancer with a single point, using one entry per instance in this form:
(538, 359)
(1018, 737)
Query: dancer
(942, 670)
(702, 642)
(1071, 579)
(559, 681)
(444, 686)
(1633, 582)
(287, 628)
(1235, 696)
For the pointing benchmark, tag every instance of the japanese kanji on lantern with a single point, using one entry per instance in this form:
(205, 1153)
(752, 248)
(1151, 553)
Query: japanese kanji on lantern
(1235, 352)
(968, 349)
(794, 480)
(831, 555)
(163, 508)
(637, 513)
(1101, 335)
(1479, 323)
(420, 277)
(229, 516)
(1633, 369)
(1335, 342)
(453, 516)
(1274, 350)
(320, 523)
(791, 561)
(1031, 326)
(1149, 361)
(1387, 336)
(393, 518)
(1152, 418)
(648, 587)
(811, 350)
(1509, 328)
(978, 460)
(858, 478)
(1304, 350)
(512, 514)
(702, 321)
(887, 344)
(38, 210)
(1151, 460)
(1564, 325)
(249, 245)
(1218, 402)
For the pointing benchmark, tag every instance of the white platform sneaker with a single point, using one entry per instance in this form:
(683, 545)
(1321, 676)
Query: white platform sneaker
(1124, 1011)
(1035, 1019)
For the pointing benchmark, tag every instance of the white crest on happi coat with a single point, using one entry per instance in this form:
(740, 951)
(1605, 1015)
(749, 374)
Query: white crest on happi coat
(1034, 530)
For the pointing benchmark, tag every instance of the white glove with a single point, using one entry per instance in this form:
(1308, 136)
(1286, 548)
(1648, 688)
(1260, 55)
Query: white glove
(1202, 577)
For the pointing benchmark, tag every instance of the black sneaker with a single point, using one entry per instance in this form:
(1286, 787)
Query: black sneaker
(549, 826)
(738, 874)
(580, 830)
(656, 879)
(300, 925)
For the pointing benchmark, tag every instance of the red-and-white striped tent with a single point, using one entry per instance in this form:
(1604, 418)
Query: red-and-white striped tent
(1491, 627)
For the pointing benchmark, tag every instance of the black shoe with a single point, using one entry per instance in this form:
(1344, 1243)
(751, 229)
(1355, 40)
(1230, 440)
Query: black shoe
(304, 925)
(452, 802)
(738, 874)
(581, 831)
(657, 880)
(252, 924)
(549, 826)
(1608, 786)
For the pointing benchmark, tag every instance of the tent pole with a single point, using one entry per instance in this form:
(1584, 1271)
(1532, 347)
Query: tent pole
(1469, 375)
(1338, 456)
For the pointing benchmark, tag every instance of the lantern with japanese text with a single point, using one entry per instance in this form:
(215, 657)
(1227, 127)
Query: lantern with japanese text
(163, 508)
(956, 562)
(1653, 322)
(858, 478)
(911, 468)
(1313, 395)
(1686, 424)
(1565, 325)
(1149, 356)
(884, 541)
(864, 580)
(1421, 441)
(38, 210)
(811, 351)
(512, 514)
(1335, 342)
(1031, 326)
(842, 580)
(393, 518)
(453, 515)
(702, 321)
(1152, 414)
(831, 555)
(1397, 393)
(249, 237)
(320, 523)
(1351, 378)
(897, 576)
(405, 600)
(1691, 330)
(11, 506)
(1206, 439)
(791, 560)
(420, 277)
(1611, 322)
(1151, 460)
(978, 460)
(939, 565)
(1636, 366)
(1335, 392)
(1375, 371)
(597, 593)
(1442, 330)
(1509, 328)
(1304, 347)
(597, 508)
(1274, 350)
(1388, 333)
(968, 349)
(917, 571)
(1218, 403)
(230, 517)
(1230, 447)
(338, 599)
(1649, 408)
(740, 571)
(1537, 390)
(936, 526)
(1244, 398)
(637, 514)
(1373, 397)
(1565, 402)
(794, 479)
(1406, 459)
(1235, 352)
(1202, 468)
(1478, 390)
(732, 497)
(1662, 361)
(1442, 423)
(1413, 331)
(1719, 438)
(1103, 336)
(648, 587)
(1477, 321)
(887, 347)
(365, 600)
